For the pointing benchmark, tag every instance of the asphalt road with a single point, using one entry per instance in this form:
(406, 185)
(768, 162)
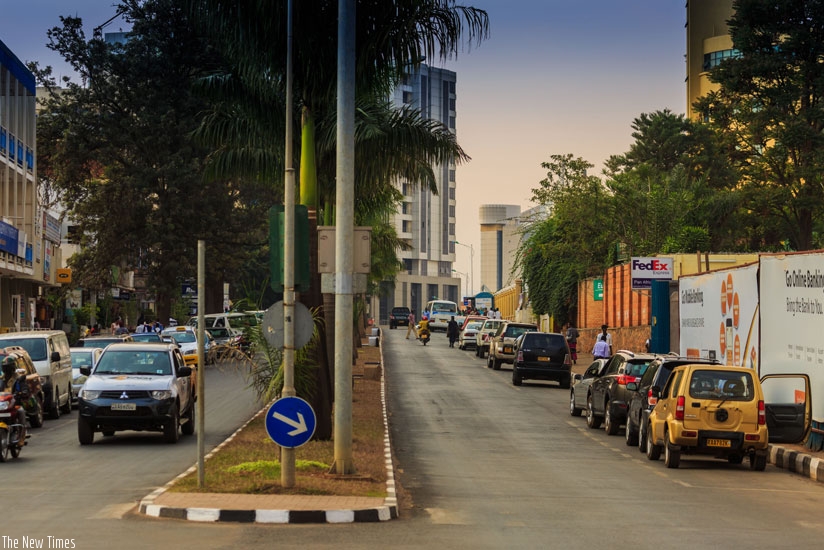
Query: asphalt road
(484, 465)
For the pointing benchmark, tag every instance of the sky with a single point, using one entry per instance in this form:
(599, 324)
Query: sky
(554, 77)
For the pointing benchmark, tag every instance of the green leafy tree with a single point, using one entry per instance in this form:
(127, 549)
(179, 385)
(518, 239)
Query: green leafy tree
(770, 112)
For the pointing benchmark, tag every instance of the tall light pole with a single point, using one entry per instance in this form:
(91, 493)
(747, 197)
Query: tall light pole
(471, 267)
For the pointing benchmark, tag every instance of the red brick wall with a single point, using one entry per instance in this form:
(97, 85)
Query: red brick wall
(631, 338)
(590, 312)
(625, 311)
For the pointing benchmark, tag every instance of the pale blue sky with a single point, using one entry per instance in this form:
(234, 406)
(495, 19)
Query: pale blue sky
(555, 77)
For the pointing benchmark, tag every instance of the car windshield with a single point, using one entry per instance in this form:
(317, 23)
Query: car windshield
(99, 342)
(721, 384)
(553, 344)
(514, 332)
(243, 321)
(182, 337)
(473, 326)
(444, 307)
(134, 362)
(81, 359)
(146, 337)
(219, 332)
(35, 346)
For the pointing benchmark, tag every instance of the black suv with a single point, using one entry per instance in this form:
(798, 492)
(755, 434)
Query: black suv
(399, 316)
(641, 401)
(542, 356)
(608, 396)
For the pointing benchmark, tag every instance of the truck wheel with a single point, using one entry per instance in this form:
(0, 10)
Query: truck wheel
(85, 432)
(36, 419)
(758, 462)
(171, 431)
(54, 406)
(188, 427)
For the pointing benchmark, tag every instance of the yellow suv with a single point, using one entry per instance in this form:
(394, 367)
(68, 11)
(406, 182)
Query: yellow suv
(721, 411)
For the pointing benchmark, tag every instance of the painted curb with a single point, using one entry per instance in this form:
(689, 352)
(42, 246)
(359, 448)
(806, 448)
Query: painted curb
(797, 462)
(388, 511)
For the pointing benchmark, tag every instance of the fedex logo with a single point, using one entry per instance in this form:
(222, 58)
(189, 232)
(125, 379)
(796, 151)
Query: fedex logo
(654, 264)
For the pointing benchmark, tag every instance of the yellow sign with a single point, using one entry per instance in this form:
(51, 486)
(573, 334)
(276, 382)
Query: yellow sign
(64, 275)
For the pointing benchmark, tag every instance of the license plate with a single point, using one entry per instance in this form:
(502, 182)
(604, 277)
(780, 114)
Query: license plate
(543, 358)
(507, 349)
(5, 415)
(124, 406)
(718, 443)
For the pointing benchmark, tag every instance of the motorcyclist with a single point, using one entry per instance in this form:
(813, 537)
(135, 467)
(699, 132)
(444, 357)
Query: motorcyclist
(13, 383)
(423, 329)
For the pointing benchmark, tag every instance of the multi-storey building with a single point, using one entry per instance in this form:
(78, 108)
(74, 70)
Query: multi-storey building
(29, 237)
(503, 228)
(708, 43)
(425, 220)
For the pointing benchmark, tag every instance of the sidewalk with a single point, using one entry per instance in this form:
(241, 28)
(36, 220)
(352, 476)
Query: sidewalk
(248, 508)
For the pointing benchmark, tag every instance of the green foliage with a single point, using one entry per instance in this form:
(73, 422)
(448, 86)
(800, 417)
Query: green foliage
(270, 469)
(769, 114)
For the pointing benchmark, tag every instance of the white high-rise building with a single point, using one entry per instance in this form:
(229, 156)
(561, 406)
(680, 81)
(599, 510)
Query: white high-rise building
(425, 220)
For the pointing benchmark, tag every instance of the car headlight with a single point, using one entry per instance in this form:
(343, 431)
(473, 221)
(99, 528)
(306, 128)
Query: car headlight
(160, 395)
(4, 405)
(89, 395)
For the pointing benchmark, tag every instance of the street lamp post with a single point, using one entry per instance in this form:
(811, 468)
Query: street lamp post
(471, 267)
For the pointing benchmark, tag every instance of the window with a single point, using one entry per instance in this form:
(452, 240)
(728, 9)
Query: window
(407, 226)
(452, 233)
(451, 87)
(405, 189)
(452, 104)
(407, 97)
(451, 210)
(452, 176)
(452, 122)
(713, 59)
(451, 243)
(452, 193)
(408, 266)
(405, 208)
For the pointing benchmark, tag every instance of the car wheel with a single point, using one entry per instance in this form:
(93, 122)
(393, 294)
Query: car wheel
(188, 428)
(36, 419)
(653, 450)
(496, 364)
(85, 432)
(516, 378)
(489, 362)
(565, 382)
(610, 425)
(54, 406)
(758, 462)
(630, 434)
(573, 410)
(171, 431)
(593, 421)
(735, 459)
(672, 453)
(482, 353)
(67, 408)
(642, 438)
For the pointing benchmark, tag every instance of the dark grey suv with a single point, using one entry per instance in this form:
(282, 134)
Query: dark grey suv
(542, 356)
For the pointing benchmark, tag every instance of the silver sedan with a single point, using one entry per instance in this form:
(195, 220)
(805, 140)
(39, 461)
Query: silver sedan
(580, 386)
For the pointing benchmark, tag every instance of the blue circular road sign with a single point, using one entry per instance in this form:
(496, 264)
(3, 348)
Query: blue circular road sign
(290, 422)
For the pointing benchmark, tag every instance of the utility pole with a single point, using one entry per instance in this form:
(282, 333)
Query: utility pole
(344, 237)
(287, 455)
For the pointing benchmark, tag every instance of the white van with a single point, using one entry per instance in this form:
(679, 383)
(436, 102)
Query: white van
(235, 322)
(49, 351)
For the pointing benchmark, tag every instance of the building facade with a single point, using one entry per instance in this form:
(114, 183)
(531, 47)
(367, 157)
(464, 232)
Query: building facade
(425, 220)
(708, 43)
(499, 244)
(29, 237)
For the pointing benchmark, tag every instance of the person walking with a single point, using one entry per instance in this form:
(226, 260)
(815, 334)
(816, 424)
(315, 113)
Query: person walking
(410, 327)
(452, 331)
(607, 337)
(601, 348)
(572, 335)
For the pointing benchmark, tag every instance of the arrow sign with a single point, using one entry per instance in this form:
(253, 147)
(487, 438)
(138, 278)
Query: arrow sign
(300, 425)
(290, 422)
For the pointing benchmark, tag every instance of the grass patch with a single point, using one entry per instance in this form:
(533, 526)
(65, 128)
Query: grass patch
(250, 462)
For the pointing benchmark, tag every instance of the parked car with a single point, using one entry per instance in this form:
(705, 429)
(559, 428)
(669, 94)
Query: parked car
(641, 401)
(469, 318)
(144, 387)
(24, 366)
(399, 316)
(542, 356)
(608, 396)
(502, 345)
(484, 335)
(186, 338)
(467, 337)
(104, 340)
(237, 323)
(580, 386)
(221, 336)
(49, 352)
(82, 357)
(720, 411)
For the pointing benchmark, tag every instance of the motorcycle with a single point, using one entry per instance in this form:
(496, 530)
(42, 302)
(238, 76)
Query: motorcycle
(13, 434)
(423, 332)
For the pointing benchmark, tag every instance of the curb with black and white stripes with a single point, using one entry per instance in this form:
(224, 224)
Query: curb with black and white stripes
(388, 511)
(798, 462)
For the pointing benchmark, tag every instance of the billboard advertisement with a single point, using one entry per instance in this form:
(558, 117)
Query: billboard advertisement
(719, 316)
(644, 270)
(792, 318)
